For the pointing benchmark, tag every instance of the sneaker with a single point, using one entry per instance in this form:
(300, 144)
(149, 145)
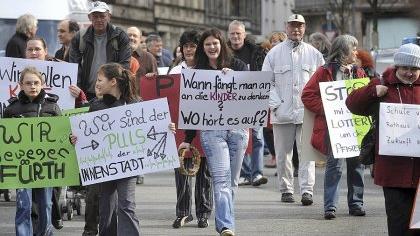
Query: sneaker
(243, 181)
(227, 232)
(58, 224)
(181, 221)
(202, 222)
(329, 215)
(258, 180)
(357, 212)
(287, 197)
(140, 179)
(307, 199)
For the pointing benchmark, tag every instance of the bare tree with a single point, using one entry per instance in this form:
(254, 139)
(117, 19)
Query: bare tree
(376, 6)
(342, 11)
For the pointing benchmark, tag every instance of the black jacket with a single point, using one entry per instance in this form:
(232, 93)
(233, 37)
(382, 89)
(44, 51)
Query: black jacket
(107, 101)
(45, 104)
(16, 46)
(59, 54)
(120, 55)
(249, 49)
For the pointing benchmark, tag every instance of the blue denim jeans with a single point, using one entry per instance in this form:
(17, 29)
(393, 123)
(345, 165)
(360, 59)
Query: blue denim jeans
(23, 221)
(253, 165)
(355, 182)
(224, 150)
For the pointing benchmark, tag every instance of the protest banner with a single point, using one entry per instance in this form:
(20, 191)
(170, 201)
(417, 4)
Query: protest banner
(211, 100)
(345, 129)
(415, 214)
(124, 141)
(58, 77)
(36, 153)
(399, 129)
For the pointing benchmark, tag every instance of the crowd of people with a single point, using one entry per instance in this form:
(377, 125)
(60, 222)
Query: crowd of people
(112, 61)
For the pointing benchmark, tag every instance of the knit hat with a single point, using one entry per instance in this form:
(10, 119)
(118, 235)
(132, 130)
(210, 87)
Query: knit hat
(408, 55)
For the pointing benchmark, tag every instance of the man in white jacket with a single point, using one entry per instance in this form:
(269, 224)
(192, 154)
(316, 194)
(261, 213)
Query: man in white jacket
(293, 63)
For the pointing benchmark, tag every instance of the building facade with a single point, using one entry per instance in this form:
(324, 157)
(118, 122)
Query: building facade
(274, 14)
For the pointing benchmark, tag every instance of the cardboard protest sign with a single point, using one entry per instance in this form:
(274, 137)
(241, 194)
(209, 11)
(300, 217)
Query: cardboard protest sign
(211, 100)
(346, 130)
(124, 141)
(415, 214)
(399, 129)
(58, 77)
(36, 153)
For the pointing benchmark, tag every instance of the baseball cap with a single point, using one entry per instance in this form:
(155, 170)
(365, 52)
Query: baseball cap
(99, 6)
(296, 18)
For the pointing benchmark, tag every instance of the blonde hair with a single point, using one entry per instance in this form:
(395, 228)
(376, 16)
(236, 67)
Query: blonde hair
(31, 70)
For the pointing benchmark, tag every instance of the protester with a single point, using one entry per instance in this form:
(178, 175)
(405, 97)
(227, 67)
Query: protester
(398, 175)
(155, 47)
(33, 101)
(26, 27)
(339, 67)
(66, 31)
(365, 61)
(293, 62)
(243, 49)
(320, 42)
(203, 189)
(277, 37)
(224, 149)
(100, 43)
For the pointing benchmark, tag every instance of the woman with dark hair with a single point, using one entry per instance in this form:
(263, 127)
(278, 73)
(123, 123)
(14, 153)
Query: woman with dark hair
(339, 66)
(203, 192)
(115, 84)
(224, 149)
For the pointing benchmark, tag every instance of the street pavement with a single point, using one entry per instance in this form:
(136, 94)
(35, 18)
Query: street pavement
(258, 211)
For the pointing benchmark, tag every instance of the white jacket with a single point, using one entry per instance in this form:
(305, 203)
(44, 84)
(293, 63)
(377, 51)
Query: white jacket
(292, 68)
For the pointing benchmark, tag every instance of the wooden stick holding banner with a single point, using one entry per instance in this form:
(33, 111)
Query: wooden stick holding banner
(124, 141)
(399, 129)
(36, 153)
(58, 77)
(345, 129)
(211, 100)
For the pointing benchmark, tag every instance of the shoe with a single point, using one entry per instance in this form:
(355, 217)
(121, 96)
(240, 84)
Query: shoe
(140, 180)
(329, 215)
(202, 222)
(287, 197)
(227, 232)
(181, 221)
(243, 181)
(258, 180)
(58, 224)
(307, 199)
(296, 172)
(357, 212)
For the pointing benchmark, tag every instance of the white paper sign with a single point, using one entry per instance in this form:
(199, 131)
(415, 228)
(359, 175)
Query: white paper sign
(124, 141)
(163, 70)
(58, 77)
(399, 129)
(210, 100)
(340, 121)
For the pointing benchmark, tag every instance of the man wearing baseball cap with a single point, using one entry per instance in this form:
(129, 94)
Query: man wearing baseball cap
(293, 63)
(102, 43)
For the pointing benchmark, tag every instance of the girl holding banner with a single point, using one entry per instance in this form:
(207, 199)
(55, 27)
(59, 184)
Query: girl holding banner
(339, 66)
(33, 101)
(203, 189)
(224, 149)
(398, 175)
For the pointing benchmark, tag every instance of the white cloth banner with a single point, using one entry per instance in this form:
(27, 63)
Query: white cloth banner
(58, 77)
(124, 141)
(211, 100)
(399, 129)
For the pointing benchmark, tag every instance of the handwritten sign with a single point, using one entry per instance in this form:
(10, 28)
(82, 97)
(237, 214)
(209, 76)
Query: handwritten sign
(346, 130)
(210, 100)
(58, 77)
(124, 141)
(399, 129)
(36, 153)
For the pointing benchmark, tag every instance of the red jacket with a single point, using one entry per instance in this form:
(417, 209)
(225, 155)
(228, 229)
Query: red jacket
(402, 172)
(311, 98)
